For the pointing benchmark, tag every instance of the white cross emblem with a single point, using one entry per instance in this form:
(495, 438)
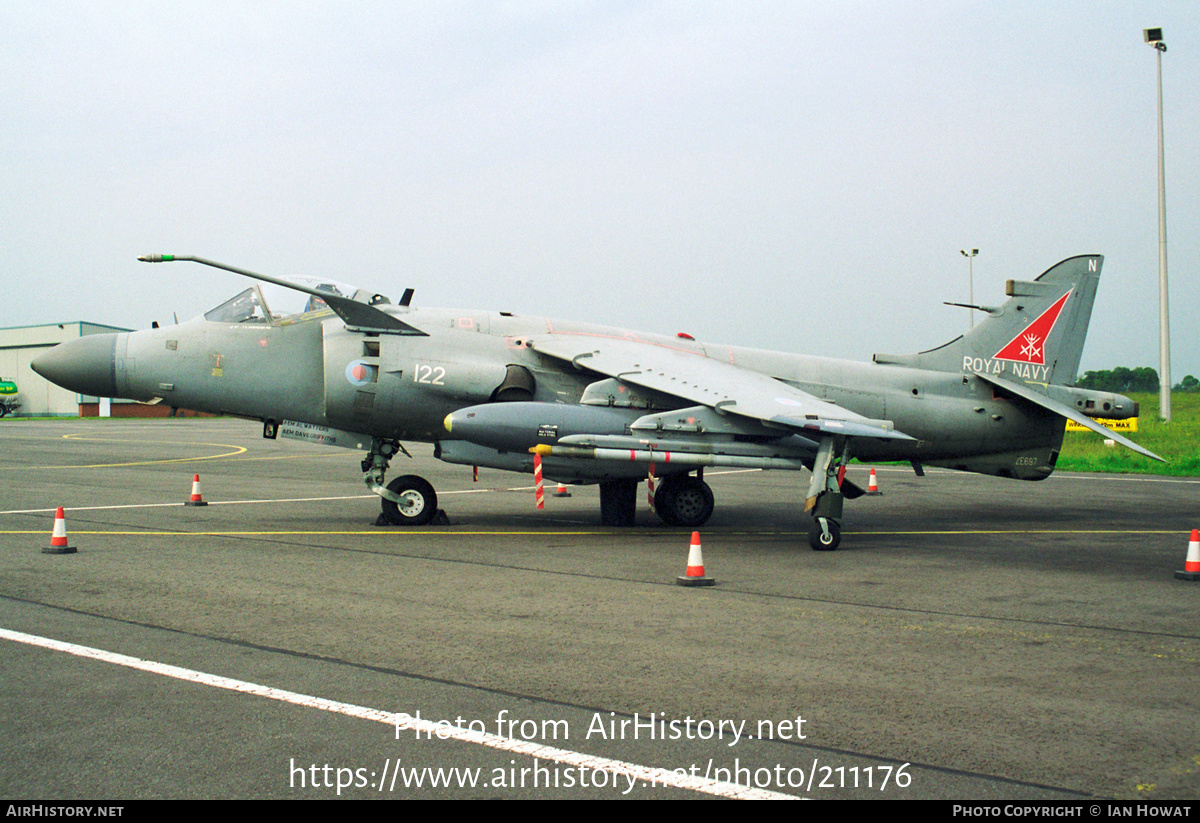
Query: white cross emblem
(1032, 349)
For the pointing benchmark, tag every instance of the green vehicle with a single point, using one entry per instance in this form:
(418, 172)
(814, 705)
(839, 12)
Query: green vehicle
(9, 398)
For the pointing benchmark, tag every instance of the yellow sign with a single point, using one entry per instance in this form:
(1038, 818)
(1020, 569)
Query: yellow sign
(1129, 425)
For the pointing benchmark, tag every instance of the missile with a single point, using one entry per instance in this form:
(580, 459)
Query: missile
(671, 458)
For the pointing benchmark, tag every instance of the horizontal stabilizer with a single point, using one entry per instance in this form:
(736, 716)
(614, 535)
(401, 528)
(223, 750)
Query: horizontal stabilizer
(1039, 399)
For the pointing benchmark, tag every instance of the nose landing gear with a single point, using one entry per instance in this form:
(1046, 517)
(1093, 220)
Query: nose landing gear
(408, 500)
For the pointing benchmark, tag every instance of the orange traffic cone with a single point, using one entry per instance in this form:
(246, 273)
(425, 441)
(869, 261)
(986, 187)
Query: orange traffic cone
(561, 491)
(695, 566)
(1191, 566)
(197, 499)
(873, 484)
(58, 538)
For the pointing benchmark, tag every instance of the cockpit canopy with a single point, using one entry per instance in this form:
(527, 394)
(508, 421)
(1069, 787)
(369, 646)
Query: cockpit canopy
(270, 304)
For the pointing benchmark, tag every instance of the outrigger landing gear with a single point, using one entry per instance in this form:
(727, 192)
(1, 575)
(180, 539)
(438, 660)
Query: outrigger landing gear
(408, 500)
(825, 494)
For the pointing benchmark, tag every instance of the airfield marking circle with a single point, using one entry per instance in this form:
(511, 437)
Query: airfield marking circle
(234, 451)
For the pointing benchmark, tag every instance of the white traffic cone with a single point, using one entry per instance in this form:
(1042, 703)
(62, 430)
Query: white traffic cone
(197, 499)
(58, 538)
(1191, 566)
(873, 484)
(695, 566)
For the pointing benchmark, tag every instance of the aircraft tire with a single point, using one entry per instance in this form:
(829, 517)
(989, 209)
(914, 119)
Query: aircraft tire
(662, 503)
(420, 501)
(684, 501)
(820, 541)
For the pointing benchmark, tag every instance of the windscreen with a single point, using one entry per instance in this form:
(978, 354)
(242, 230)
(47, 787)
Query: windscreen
(269, 303)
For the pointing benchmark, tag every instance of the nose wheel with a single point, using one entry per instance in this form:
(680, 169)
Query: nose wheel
(408, 500)
(411, 501)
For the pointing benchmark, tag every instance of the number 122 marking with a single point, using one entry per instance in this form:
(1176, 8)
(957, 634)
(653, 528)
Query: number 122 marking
(433, 375)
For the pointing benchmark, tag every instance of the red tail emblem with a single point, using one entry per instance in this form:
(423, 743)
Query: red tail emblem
(1030, 345)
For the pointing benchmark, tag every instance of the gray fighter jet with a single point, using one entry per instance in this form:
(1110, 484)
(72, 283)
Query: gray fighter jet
(603, 405)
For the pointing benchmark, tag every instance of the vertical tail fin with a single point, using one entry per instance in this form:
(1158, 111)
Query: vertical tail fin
(1036, 336)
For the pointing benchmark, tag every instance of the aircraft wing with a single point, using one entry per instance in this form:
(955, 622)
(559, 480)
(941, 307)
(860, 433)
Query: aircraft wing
(1039, 399)
(725, 387)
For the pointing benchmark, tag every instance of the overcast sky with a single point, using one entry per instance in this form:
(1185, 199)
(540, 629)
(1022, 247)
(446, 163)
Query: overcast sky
(787, 175)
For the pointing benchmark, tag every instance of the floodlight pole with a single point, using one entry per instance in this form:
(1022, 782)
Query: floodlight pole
(971, 278)
(1154, 38)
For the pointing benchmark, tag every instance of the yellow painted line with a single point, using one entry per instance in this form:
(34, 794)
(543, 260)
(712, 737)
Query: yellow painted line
(1016, 531)
(236, 450)
(401, 531)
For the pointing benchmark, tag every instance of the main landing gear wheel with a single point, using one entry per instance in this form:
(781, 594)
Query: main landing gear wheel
(684, 501)
(418, 501)
(825, 534)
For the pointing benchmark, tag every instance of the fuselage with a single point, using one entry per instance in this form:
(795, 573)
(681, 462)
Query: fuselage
(311, 368)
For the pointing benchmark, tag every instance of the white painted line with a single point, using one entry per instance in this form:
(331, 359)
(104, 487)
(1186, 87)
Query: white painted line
(52, 509)
(1058, 476)
(243, 502)
(1063, 475)
(169, 505)
(404, 722)
(1139, 478)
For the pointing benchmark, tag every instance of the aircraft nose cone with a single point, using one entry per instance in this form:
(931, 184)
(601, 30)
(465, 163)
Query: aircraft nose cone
(87, 365)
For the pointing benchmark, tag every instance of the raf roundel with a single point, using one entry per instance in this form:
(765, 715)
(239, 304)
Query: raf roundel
(359, 373)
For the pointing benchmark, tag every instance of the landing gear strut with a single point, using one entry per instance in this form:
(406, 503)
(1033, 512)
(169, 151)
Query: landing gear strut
(825, 494)
(408, 500)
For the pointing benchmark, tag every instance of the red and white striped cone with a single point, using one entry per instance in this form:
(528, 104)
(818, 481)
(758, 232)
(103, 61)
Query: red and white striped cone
(539, 489)
(196, 499)
(650, 488)
(1191, 567)
(561, 491)
(873, 484)
(58, 538)
(695, 566)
